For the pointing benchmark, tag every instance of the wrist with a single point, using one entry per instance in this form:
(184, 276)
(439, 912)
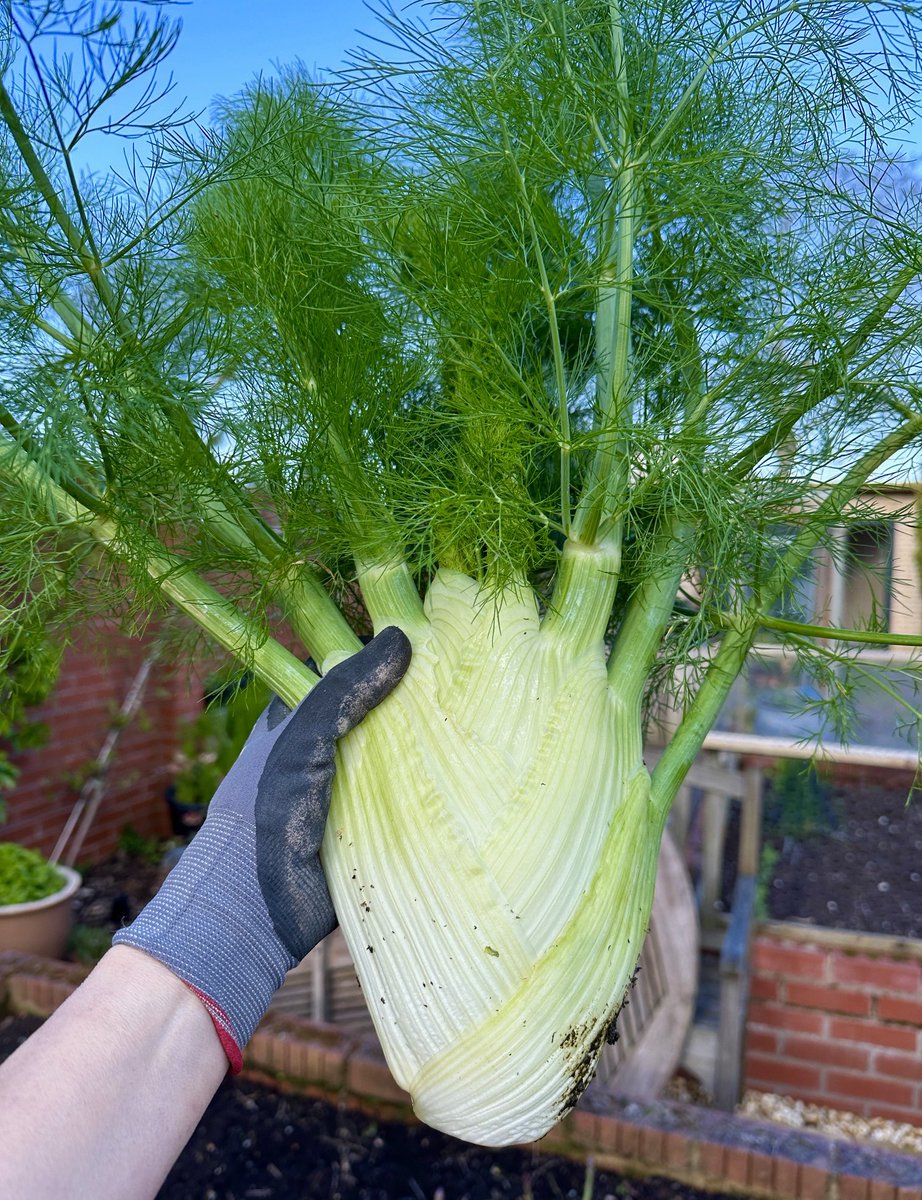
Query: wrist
(148, 992)
(209, 926)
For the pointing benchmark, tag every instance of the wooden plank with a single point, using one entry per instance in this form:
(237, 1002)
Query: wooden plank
(750, 852)
(705, 773)
(883, 944)
(320, 1007)
(716, 811)
(643, 1065)
(835, 752)
(734, 995)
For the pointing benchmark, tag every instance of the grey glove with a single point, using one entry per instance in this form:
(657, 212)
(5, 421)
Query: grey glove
(248, 898)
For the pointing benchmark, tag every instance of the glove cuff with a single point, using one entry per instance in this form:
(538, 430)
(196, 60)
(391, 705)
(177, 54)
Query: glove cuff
(210, 926)
(222, 1027)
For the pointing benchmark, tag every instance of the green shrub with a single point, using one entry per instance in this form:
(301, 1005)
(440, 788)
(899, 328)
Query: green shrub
(211, 744)
(25, 875)
(798, 803)
(29, 663)
(88, 944)
(136, 845)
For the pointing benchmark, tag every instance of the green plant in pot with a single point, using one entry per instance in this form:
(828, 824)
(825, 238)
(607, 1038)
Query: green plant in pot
(35, 901)
(26, 875)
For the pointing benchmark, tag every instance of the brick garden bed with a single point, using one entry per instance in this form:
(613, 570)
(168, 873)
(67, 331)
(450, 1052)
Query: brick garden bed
(836, 1019)
(697, 1146)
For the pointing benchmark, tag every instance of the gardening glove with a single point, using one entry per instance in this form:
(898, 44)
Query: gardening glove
(248, 898)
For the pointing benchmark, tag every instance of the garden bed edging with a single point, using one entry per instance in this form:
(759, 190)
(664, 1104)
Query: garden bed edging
(835, 1019)
(698, 1146)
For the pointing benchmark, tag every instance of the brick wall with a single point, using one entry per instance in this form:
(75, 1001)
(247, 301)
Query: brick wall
(836, 1019)
(96, 673)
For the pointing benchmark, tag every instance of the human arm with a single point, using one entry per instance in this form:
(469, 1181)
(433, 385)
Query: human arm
(102, 1098)
(110, 1089)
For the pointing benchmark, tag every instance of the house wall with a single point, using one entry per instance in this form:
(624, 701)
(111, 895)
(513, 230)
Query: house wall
(96, 673)
(906, 599)
(836, 1019)
(848, 599)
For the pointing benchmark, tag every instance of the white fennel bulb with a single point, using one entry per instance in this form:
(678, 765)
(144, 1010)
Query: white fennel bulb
(491, 852)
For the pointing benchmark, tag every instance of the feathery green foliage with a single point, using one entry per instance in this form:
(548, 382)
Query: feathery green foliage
(640, 276)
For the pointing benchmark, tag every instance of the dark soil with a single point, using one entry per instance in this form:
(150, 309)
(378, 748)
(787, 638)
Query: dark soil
(256, 1143)
(115, 891)
(840, 856)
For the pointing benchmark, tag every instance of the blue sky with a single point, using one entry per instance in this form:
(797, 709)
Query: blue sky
(224, 43)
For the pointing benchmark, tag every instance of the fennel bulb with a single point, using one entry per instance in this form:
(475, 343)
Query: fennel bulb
(491, 852)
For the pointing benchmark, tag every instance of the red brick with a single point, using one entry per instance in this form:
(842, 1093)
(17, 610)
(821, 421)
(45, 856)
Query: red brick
(299, 1061)
(676, 1150)
(278, 1054)
(895, 1008)
(785, 1181)
(88, 690)
(581, 1128)
(903, 1116)
(608, 1135)
(257, 1051)
(712, 1160)
(909, 1193)
(779, 1016)
(763, 988)
(829, 999)
(629, 1141)
(27, 995)
(327, 1064)
(853, 1187)
(762, 1041)
(815, 1050)
(775, 1070)
(788, 959)
(814, 1183)
(880, 1190)
(651, 1145)
(555, 1141)
(904, 1066)
(881, 973)
(824, 1100)
(369, 1077)
(872, 1033)
(760, 1170)
(736, 1165)
(868, 1087)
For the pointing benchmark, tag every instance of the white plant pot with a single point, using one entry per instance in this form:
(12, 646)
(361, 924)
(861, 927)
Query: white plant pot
(41, 926)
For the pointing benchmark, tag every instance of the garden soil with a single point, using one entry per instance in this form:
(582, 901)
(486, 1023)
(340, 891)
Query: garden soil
(841, 856)
(254, 1143)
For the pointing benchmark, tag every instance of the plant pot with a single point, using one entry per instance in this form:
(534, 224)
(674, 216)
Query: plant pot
(41, 926)
(185, 819)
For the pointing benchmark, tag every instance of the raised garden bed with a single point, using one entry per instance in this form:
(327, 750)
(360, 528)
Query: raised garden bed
(257, 1142)
(848, 858)
(350, 1148)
